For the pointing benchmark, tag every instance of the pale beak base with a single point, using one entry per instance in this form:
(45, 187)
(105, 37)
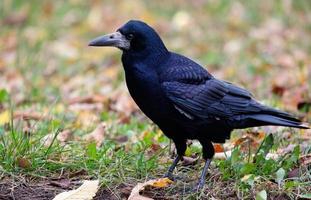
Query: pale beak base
(115, 39)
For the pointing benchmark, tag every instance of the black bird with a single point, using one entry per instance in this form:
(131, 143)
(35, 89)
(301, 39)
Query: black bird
(182, 97)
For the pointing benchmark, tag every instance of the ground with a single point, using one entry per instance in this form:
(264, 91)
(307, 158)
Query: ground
(66, 115)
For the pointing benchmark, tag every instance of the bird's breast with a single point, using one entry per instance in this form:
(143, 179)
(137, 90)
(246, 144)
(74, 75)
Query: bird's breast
(145, 89)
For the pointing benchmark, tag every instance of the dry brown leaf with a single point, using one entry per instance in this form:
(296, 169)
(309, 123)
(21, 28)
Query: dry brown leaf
(278, 89)
(123, 103)
(189, 160)
(23, 162)
(86, 107)
(88, 99)
(86, 192)
(26, 115)
(97, 135)
(305, 159)
(64, 136)
(158, 183)
(155, 147)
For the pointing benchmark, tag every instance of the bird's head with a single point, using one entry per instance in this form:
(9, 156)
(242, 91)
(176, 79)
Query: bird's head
(133, 37)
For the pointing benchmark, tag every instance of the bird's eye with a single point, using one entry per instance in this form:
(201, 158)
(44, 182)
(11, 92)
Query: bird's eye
(129, 36)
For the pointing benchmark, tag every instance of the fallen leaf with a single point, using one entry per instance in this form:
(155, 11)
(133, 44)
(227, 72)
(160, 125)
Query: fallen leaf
(123, 103)
(88, 99)
(86, 192)
(47, 140)
(64, 136)
(278, 89)
(121, 139)
(218, 148)
(23, 162)
(305, 160)
(155, 147)
(189, 160)
(157, 183)
(27, 115)
(97, 135)
(4, 117)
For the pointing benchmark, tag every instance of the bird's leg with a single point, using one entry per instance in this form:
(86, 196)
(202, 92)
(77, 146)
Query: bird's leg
(208, 153)
(203, 175)
(181, 147)
(169, 173)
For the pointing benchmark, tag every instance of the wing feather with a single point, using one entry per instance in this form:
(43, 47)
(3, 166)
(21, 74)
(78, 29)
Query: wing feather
(212, 98)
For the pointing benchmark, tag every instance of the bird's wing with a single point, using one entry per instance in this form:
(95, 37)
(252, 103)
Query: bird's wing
(210, 98)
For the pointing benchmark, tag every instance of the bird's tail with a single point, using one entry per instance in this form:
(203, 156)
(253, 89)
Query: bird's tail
(272, 116)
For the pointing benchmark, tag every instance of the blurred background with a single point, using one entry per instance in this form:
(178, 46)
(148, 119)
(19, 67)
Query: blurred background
(60, 93)
(263, 46)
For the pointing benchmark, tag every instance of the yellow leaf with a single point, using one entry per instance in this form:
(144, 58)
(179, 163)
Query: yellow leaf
(158, 183)
(5, 117)
(162, 182)
(86, 192)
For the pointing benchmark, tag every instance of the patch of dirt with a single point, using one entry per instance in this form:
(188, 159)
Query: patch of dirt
(46, 190)
(23, 191)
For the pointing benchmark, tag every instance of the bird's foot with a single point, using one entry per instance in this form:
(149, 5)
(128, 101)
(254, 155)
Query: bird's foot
(201, 182)
(169, 173)
(169, 176)
(199, 186)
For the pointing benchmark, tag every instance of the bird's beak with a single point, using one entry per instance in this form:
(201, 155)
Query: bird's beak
(115, 39)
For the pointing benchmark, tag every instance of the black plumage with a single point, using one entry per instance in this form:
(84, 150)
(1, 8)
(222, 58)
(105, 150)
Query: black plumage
(182, 97)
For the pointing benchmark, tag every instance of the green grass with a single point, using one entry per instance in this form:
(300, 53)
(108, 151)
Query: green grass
(52, 64)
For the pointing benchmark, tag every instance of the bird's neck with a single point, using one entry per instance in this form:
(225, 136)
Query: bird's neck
(149, 57)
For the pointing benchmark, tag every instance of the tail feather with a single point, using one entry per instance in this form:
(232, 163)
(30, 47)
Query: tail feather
(281, 114)
(267, 119)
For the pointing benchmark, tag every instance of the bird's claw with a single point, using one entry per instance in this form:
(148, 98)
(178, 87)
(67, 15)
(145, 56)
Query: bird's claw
(198, 187)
